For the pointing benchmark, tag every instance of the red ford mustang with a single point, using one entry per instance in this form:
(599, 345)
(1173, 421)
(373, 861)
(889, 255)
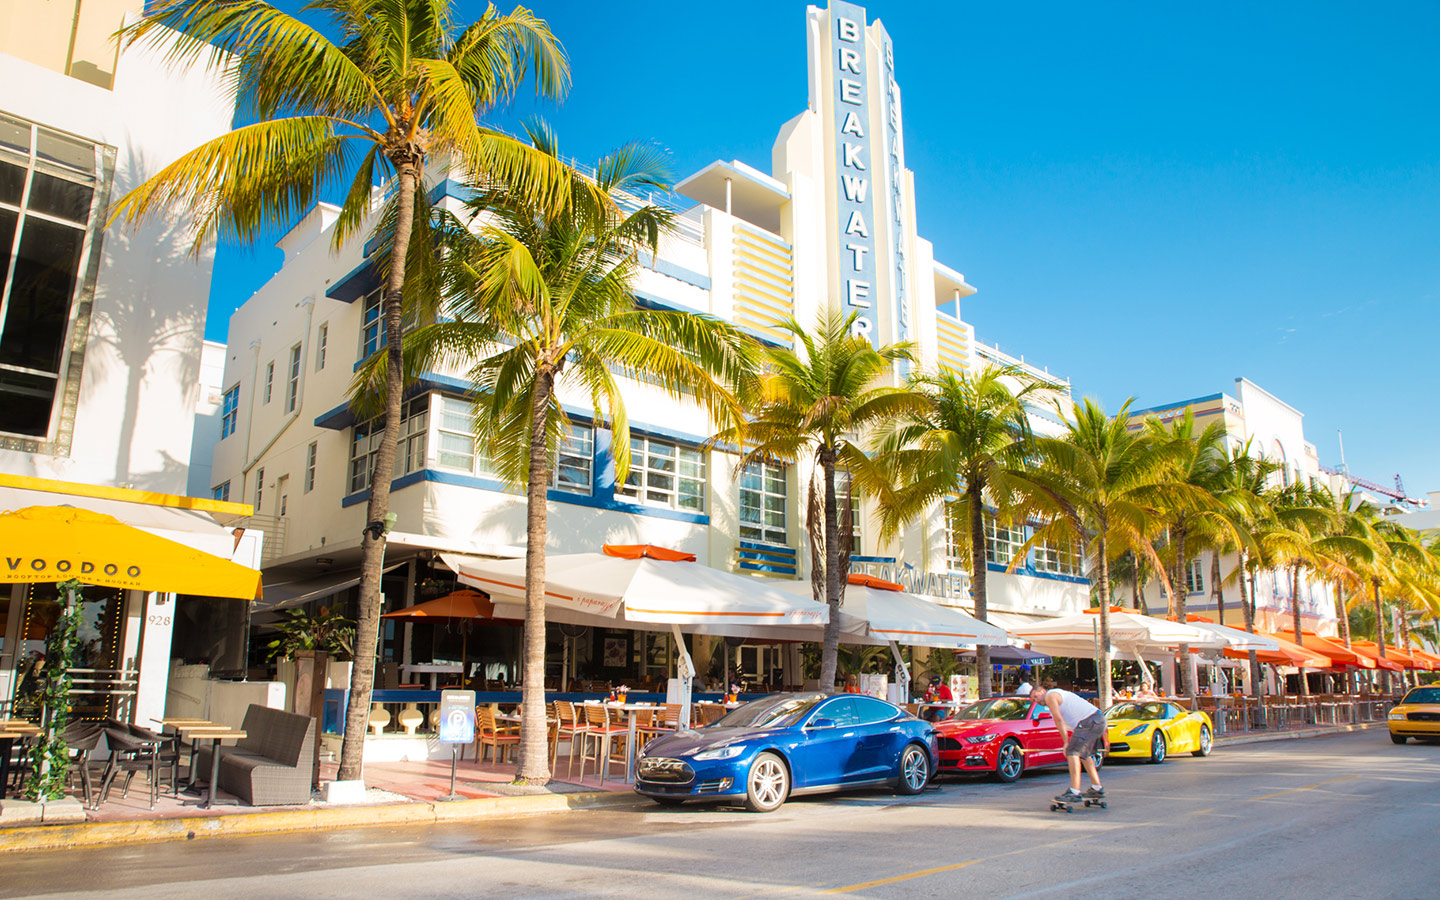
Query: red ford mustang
(1002, 736)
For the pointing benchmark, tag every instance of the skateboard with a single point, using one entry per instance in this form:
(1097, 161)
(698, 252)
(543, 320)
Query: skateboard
(1070, 807)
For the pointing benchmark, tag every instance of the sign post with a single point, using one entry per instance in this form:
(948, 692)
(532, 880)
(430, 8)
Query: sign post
(457, 728)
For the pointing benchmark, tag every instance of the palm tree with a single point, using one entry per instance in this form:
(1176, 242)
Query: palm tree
(1193, 505)
(542, 300)
(1403, 571)
(815, 400)
(1102, 485)
(970, 436)
(403, 84)
(1300, 523)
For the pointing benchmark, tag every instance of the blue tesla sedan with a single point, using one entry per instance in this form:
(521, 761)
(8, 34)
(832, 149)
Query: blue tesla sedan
(789, 744)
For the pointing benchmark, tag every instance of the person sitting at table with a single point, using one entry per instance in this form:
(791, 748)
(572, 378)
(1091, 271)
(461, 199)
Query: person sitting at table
(937, 692)
(852, 683)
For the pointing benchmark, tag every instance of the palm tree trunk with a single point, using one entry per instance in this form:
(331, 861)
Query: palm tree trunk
(1344, 616)
(975, 495)
(1180, 591)
(1215, 589)
(1135, 583)
(830, 650)
(1404, 644)
(1103, 673)
(533, 766)
(372, 542)
(1380, 629)
(1247, 609)
(1295, 617)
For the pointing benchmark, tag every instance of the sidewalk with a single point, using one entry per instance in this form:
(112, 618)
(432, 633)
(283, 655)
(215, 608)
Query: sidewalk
(396, 793)
(1261, 737)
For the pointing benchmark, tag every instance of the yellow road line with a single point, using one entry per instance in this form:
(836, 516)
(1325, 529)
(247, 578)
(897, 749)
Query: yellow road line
(898, 878)
(1308, 787)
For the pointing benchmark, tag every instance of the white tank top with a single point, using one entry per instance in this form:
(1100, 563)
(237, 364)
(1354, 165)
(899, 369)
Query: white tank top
(1074, 709)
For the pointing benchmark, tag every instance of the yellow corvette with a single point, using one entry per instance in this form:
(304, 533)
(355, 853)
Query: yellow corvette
(1154, 729)
(1417, 716)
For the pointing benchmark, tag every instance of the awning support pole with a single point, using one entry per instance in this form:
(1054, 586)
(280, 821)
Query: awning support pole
(685, 670)
(902, 674)
(1144, 670)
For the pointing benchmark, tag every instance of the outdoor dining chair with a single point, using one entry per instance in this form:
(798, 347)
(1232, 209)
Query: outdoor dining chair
(668, 723)
(597, 742)
(568, 728)
(489, 733)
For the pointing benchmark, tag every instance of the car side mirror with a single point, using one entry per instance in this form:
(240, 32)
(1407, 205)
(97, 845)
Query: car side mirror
(821, 722)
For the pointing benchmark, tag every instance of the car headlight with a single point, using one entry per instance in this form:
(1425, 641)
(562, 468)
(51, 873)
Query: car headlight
(729, 751)
(982, 738)
(1395, 715)
(1138, 729)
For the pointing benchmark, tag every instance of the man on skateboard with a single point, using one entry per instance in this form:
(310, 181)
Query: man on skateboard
(1082, 728)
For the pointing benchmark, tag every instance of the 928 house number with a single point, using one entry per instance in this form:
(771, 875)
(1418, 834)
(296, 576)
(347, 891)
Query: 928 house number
(159, 621)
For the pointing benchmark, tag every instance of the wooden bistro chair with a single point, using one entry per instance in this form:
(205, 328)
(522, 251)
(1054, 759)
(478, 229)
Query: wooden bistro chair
(667, 723)
(599, 740)
(569, 729)
(489, 733)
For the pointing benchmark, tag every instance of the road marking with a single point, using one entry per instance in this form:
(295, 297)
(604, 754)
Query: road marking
(1308, 787)
(898, 878)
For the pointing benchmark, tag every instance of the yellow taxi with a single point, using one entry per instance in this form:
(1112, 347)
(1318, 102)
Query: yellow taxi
(1417, 716)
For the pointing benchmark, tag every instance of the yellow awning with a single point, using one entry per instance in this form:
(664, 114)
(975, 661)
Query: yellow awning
(54, 543)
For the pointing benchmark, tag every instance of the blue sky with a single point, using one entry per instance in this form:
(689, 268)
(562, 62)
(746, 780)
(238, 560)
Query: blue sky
(1153, 199)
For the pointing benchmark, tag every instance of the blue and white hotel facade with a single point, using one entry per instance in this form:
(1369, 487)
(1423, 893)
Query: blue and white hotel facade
(831, 222)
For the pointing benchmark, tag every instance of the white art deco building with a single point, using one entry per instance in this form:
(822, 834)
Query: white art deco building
(830, 221)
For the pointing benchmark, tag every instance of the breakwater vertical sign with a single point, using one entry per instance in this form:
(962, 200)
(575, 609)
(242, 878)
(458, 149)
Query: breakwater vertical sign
(855, 165)
(894, 168)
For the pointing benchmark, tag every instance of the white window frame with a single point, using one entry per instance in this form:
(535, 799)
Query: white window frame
(453, 420)
(575, 461)
(1058, 559)
(221, 491)
(1002, 542)
(259, 489)
(1195, 577)
(312, 453)
(645, 483)
(843, 486)
(409, 450)
(229, 411)
(955, 554)
(322, 342)
(292, 381)
(269, 383)
(372, 323)
(764, 494)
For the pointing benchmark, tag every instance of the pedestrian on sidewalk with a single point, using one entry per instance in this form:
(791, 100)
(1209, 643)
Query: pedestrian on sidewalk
(1082, 728)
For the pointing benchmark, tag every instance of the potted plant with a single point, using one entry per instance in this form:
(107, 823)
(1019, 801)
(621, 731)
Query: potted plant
(621, 692)
(325, 632)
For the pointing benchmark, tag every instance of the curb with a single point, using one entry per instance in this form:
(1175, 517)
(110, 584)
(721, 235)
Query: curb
(1295, 735)
(92, 834)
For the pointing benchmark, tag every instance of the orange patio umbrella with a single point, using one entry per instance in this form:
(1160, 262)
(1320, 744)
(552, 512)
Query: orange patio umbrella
(1402, 658)
(1371, 655)
(1432, 662)
(456, 607)
(1339, 655)
(1289, 654)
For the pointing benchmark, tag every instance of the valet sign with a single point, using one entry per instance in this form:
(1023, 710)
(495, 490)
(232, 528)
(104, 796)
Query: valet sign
(457, 717)
(854, 164)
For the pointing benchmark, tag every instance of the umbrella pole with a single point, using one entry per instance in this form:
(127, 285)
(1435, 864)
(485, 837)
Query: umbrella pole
(685, 671)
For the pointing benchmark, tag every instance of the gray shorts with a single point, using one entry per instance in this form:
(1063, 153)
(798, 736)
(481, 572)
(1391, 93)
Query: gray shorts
(1086, 736)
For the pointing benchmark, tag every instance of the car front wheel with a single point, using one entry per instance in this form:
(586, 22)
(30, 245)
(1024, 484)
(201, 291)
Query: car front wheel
(768, 783)
(914, 770)
(1397, 738)
(1009, 761)
(1157, 748)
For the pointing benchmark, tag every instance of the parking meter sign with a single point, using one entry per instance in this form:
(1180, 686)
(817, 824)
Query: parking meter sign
(457, 717)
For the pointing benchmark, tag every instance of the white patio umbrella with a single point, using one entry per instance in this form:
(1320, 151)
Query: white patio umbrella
(1234, 638)
(884, 612)
(641, 586)
(1078, 634)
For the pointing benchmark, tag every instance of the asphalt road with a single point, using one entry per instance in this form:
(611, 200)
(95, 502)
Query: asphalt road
(1325, 817)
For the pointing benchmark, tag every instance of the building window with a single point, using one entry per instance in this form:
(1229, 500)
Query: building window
(259, 489)
(762, 502)
(1194, 577)
(1002, 541)
(322, 339)
(576, 460)
(665, 474)
(372, 326)
(292, 382)
(956, 553)
(269, 381)
(844, 488)
(229, 411)
(1058, 559)
(221, 491)
(48, 186)
(311, 453)
(457, 438)
(409, 451)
